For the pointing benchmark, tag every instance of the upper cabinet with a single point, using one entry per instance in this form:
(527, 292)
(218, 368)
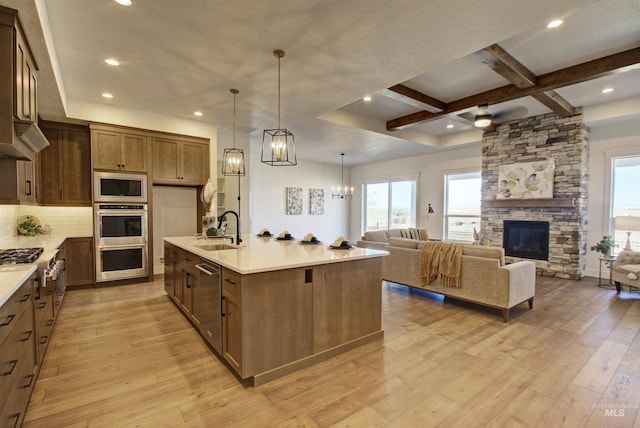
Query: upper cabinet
(20, 137)
(65, 166)
(26, 104)
(180, 160)
(118, 149)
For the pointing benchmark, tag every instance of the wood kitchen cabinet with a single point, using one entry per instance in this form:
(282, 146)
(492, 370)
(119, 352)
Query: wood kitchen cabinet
(65, 166)
(18, 180)
(17, 355)
(170, 271)
(232, 318)
(79, 262)
(190, 283)
(180, 161)
(267, 319)
(26, 105)
(118, 149)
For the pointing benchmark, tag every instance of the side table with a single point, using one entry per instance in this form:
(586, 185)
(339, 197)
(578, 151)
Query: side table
(608, 263)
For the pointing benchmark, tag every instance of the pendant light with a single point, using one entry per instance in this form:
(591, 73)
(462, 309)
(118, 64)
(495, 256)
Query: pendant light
(233, 159)
(342, 192)
(278, 145)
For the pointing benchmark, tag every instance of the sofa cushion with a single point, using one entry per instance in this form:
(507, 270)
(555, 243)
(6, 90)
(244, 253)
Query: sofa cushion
(629, 268)
(403, 242)
(485, 252)
(376, 236)
(391, 233)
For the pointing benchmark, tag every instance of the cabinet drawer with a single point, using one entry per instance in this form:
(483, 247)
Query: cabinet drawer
(43, 333)
(14, 354)
(13, 308)
(16, 403)
(232, 282)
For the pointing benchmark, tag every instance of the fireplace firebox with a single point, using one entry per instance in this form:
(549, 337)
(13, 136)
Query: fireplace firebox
(526, 239)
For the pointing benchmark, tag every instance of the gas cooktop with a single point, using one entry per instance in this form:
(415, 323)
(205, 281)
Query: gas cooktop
(19, 255)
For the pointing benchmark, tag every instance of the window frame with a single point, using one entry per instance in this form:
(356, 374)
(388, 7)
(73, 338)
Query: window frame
(471, 173)
(389, 181)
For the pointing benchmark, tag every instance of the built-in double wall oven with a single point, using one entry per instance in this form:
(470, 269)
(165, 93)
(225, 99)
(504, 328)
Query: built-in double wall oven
(120, 223)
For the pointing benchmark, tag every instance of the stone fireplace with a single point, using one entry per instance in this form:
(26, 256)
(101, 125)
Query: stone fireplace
(565, 140)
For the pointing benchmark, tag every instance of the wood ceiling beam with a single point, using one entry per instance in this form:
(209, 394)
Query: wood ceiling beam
(506, 66)
(550, 81)
(555, 103)
(415, 98)
(515, 72)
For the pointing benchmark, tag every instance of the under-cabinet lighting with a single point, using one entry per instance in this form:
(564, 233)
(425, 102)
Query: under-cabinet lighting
(124, 2)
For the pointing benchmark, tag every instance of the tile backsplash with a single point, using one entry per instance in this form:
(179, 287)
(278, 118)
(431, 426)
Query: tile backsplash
(71, 221)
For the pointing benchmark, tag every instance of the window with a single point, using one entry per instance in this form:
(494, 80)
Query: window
(625, 203)
(390, 205)
(462, 205)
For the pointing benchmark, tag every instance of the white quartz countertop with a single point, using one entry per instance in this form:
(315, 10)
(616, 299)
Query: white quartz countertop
(13, 276)
(256, 254)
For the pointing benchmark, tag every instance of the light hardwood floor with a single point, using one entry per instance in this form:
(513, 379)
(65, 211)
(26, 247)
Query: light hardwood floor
(124, 356)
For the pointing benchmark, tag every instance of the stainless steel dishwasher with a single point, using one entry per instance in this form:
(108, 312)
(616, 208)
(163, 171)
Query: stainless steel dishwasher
(210, 303)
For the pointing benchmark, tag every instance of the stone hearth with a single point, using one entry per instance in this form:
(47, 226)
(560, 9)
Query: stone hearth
(545, 137)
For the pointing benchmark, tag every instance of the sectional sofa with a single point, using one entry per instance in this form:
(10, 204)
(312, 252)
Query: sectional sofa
(485, 278)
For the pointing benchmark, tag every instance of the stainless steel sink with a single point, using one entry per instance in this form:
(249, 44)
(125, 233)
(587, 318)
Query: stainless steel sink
(216, 246)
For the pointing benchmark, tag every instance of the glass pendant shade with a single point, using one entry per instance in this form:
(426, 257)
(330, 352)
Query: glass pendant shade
(342, 191)
(233, 162)
(278, 145)
(233, 159)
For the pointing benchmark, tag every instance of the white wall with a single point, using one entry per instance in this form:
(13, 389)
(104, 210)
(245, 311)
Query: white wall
(429, 170)
(174, 212)
(268, 185)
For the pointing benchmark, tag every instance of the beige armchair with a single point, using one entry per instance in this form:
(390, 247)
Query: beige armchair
(626, 269)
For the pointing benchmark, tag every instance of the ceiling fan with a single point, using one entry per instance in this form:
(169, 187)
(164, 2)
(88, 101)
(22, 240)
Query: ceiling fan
(483, 118)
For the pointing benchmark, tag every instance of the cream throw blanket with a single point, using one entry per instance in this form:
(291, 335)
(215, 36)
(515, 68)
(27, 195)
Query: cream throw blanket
(442, 261)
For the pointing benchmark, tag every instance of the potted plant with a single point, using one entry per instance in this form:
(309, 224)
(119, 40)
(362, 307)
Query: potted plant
(604, 246)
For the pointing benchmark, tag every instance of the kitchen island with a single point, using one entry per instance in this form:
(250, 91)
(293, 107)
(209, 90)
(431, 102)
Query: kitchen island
(284, 305)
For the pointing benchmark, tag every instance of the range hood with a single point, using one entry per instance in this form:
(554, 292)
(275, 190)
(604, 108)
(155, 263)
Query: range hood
(27, 140)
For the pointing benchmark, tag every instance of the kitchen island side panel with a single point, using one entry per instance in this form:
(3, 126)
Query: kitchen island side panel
(347, 302)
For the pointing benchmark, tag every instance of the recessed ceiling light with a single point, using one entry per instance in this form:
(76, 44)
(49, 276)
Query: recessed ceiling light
(197, 113)
(607, 90)
(124, 2)
(450, 125)
(366, 98)
(107, 95)
(555, 23)
(112, 61)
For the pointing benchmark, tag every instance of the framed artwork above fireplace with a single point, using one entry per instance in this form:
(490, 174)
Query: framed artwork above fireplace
(529, 180)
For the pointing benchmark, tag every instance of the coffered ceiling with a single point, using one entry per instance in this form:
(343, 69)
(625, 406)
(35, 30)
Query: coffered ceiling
(181, 56)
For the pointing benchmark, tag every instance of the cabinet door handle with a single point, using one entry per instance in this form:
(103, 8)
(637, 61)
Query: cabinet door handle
(27, 336)
(43, 340)
(13, 367)
(28, 188)
(8, 320)
(42, 305)
(16, 418)
(25, 298)
(229, 281)
(28, 384)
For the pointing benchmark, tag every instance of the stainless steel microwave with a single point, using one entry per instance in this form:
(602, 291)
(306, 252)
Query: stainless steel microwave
(119, 187)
